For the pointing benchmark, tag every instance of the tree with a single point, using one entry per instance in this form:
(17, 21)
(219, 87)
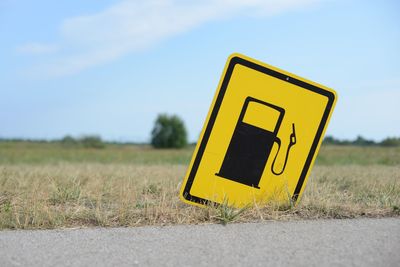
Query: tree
(390, 141)
(69, 141)
(361, 141)
(92, 141)
(168, 132)
(330, 140)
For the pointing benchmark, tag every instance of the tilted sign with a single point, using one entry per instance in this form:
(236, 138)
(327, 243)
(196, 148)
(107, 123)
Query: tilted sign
(260, 138)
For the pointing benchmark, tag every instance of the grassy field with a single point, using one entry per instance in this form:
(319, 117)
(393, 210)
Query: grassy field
(47, 185)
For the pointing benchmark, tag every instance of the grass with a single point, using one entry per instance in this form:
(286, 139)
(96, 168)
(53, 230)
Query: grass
(350, 155)
(50, 153)
(46, 186)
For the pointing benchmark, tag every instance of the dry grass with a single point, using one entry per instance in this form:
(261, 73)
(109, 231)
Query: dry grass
(73, 194)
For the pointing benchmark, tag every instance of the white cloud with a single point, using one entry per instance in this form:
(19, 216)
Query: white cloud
(130, 26)
(36, 48)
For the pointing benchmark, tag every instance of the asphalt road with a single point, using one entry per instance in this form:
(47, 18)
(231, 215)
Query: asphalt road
(363, 242)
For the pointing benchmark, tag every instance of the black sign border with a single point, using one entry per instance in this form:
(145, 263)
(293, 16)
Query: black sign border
(284, 77)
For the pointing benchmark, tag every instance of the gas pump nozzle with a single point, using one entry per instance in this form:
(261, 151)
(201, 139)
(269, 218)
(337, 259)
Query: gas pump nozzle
(293, 136)
(292, 142)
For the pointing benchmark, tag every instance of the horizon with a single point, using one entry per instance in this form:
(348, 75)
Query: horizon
(77, 138)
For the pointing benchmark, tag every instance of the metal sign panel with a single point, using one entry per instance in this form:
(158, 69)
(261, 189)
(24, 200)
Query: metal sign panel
(260, 138)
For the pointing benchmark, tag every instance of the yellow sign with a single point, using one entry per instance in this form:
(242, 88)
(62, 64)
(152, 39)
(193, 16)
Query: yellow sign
(261, 136)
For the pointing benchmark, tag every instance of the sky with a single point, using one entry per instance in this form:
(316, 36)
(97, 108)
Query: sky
(109, 67)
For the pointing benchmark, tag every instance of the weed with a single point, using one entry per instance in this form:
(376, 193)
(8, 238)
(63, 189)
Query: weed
(5, 204)
(227, 214)
(152, 189)
(396, 209)
(63, 193)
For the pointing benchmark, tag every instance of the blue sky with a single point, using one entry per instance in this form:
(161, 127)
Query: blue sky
(109, 67)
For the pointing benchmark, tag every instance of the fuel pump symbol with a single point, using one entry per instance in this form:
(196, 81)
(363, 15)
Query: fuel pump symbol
(252, 141)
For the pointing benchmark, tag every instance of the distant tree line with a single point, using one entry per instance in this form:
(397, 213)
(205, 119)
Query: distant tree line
(162, 140)
(169, 131)
(361, 141)
(88, 141)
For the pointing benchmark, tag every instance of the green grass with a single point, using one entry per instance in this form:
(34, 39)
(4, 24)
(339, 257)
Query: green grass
(50, 186)
(45, 153)
(350, 155)
(224, 213)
